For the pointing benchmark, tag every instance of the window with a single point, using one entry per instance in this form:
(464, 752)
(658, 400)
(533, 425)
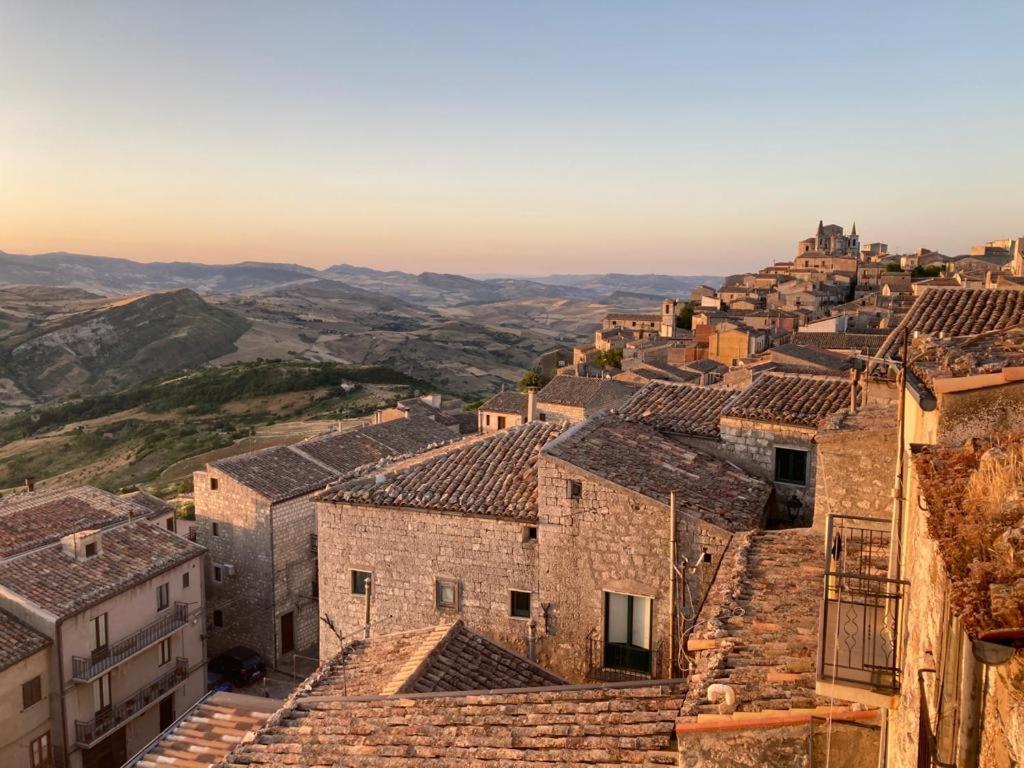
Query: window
(165, 651)
(101, 692)
(542, 416)
(216, 530)
(39, 752)
(170, 523)
(31, 692)
(98, 632)
(530, 533)
(184, 580)
(90, 550)
(218, 575)
(520, 607)
(360, 580)
(574, 489)
(791, 466)
(446, 594)
(163, 596)
(213, 483)
(627, 632)
(487, 419)
(501, 422)
(218, 618)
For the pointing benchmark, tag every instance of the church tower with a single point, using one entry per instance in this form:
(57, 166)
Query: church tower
(819, 238)
(854, 241)
(668, 318)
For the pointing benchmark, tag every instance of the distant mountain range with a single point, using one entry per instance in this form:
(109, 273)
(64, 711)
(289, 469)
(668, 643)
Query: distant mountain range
(110, 276)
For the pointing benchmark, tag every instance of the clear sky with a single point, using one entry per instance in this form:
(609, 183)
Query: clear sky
(527, 136)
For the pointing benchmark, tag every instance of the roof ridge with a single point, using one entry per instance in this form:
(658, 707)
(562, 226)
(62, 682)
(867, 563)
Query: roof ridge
(417, 662)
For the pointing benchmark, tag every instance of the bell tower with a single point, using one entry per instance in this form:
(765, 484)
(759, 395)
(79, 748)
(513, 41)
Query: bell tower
(668, 318)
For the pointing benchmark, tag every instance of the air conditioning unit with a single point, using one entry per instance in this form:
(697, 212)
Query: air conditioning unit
(228, 569)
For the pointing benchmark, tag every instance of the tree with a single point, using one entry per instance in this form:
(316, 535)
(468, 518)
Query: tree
(531, 379)
(610, 358)
(893, 267)
(685, 317)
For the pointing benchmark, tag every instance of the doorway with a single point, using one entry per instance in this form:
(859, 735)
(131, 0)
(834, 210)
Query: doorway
(166, 712)
(288, 632)
(627, 632)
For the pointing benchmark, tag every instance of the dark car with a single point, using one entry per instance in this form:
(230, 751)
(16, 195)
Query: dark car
(215, 681)
(240, 665)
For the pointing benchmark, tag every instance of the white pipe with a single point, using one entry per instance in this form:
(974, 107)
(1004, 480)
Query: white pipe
(718, 691)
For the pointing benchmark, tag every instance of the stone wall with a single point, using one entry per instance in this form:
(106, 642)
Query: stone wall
(856, 469)
(752, 446)
(295, 572)
(555, 412)
(980, 412)
(1002, 739)
(244, 541)
(405, 550)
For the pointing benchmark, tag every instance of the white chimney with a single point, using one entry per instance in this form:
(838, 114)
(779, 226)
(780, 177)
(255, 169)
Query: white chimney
(531, 403)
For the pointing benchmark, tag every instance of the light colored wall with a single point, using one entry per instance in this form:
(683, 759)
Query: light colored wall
(855, 470)
(19, 727)
(553, 412)
(406, 550)
(511, 420)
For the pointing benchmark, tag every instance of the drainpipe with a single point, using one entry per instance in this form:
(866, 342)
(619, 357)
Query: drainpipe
(971, 704)
(57, 634)
(673, 608)
(366, 613)
(531, 641)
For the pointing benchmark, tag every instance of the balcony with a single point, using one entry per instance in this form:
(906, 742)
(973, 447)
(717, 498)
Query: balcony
(617, 662)
(858, 646)
(107, 720)
(84, 669)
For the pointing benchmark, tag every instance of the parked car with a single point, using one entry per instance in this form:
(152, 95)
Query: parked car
(240, 665)
(215, 681)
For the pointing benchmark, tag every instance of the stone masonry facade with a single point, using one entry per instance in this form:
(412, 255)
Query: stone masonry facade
(751, 445)
(406, 551)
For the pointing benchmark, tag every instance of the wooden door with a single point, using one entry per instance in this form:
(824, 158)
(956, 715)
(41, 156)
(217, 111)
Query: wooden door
(288, 632)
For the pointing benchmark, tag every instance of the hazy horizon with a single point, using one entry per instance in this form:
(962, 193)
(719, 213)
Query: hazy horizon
(513, 138)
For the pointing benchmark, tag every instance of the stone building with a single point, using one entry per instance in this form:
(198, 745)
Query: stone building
(504, 410)
(120, 598)
(830, 241)
(642, 326)
(531, 541)
(255, 514)
(574, 398)
(25, 736)
(770, 428)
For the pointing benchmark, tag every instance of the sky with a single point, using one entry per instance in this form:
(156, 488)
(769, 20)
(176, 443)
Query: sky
(524, 137)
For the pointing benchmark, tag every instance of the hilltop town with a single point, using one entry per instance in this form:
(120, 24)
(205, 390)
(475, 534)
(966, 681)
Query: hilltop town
(775, 522)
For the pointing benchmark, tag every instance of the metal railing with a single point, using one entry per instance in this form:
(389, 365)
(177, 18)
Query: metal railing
(609, 663)
(84, 669)
(89, 732)
(860, 613)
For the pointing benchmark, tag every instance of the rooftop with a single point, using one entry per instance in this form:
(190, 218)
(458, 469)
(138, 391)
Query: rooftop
(208, 732)
(507, 402)
(798, 399)
(567, 725)
(448, 657)
(30, 520)
(865, 341)
(638, 458)
(679, 408)
(130, 554)
(285, 472)
(957, 312)
(797, 355)
(494, 477)
(584, 392)
(932, 358)
(18, 641)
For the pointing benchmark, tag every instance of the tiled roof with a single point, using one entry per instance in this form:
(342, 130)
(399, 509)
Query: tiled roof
(507, 402)
(208, 732)
(493, 477)
(707, 365)
(682, 409)
(18, 641)
(958, 312)
(285, 472)
(636, 457)
(933, 358)
(867, 342)
(448, 657)
(585, 392)
(129, 555)
(810, 357)
(791, 398)
(761, 619)
(563, 726)
(153, 503)
(29, 520)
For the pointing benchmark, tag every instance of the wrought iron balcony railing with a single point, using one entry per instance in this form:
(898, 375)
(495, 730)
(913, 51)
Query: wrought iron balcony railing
(87, 733)
(84, 669)
(615, 662)
(860, 615)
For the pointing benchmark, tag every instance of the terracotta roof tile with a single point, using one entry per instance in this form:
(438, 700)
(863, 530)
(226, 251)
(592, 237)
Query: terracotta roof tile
(18, 641)
(492, 477)
(584, 392)
(636, 457)
(507, 402)
(958, 312)
(679, 408)
(30, 520)
(278, 473)
(791, 398)
(129, 554)
(933, 358)
(855, 341)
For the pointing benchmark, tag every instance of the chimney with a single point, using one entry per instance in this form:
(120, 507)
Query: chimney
(531, 403)
(83, 545)
(30, 484)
